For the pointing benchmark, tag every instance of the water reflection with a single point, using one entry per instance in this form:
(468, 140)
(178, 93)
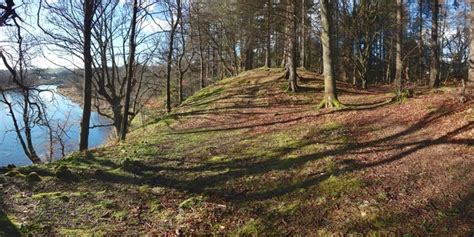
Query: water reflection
(61, 111)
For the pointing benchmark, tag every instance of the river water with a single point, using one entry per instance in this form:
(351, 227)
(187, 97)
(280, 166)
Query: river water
(60, 110)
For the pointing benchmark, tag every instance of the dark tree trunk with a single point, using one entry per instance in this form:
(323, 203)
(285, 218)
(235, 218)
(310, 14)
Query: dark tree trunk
(268, 61)
(130, 72)
(201, 57)
(87, 99)
(420, 42)
(170, 57)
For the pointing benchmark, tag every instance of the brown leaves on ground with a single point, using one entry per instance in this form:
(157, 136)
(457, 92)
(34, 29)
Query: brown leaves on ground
(246, 157)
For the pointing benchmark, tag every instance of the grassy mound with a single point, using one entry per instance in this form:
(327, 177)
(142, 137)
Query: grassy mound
(244, 157)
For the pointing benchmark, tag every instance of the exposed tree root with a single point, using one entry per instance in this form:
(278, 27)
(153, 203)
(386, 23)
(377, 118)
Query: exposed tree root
(402, 95)
(330, 103)
(292, 86)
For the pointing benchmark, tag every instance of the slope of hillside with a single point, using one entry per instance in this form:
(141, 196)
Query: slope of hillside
(245, 157)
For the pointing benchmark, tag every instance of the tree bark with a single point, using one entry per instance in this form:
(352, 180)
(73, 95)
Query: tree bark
(330, 91)
(471, 49)
(420, 42)
(398, 60)
(303, 35)
(291, 47)
(87, 97)
(268, 61)
(170, 55)
(130, 71)
(201, 51)
(434, 71)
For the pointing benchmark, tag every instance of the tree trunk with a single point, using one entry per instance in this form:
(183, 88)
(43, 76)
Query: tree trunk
(180, 88)
(398, 60)
(117, 114)
(268, 61)
(333, 19)
(420, 42)
(27, 127)
(434, 71)
(291, 47)
(471, 49)
(303, 35)
(330, 92)
(201, 57)
(169, 58)
(87, 99)
(34, 158)
(130, 72)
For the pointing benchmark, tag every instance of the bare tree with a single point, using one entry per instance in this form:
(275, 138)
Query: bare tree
(184, 57)
(198, 24)
(174, 23)
(130, 68)
(31, 111)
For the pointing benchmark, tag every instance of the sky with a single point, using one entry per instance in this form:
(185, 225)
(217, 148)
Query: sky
(48, 56)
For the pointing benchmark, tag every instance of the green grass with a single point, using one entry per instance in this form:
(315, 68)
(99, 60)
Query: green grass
(336, 186)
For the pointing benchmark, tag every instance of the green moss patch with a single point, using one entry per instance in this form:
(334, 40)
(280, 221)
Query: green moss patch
(336, 186)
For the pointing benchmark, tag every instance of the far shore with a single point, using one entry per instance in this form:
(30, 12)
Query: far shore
(16, 87)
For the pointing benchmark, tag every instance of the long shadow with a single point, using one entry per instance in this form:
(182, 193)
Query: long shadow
(253, 166)
(285, 121)
(466, 208)
(359, 166)
(248, 91)
(460, 212)
(307, 89)
(370, 105)
(299, 118)
(7, 228)
(276, 164)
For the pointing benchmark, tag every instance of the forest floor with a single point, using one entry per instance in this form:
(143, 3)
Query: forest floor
(244, 157)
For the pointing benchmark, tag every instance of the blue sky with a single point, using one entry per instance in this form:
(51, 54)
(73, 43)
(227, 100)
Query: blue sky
(48, 56)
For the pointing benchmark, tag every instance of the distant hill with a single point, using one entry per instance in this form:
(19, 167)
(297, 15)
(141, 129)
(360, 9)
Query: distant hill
(39, 77)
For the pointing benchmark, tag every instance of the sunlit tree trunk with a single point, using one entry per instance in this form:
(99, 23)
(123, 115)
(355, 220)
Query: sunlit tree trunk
(303, 35)
(291, 47)
(398, 60)
(330, 93)
(434, 71)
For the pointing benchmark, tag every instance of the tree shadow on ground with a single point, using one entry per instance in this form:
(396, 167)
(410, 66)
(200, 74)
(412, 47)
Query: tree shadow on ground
(255, 166)
(7, 228)
(215, 184)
